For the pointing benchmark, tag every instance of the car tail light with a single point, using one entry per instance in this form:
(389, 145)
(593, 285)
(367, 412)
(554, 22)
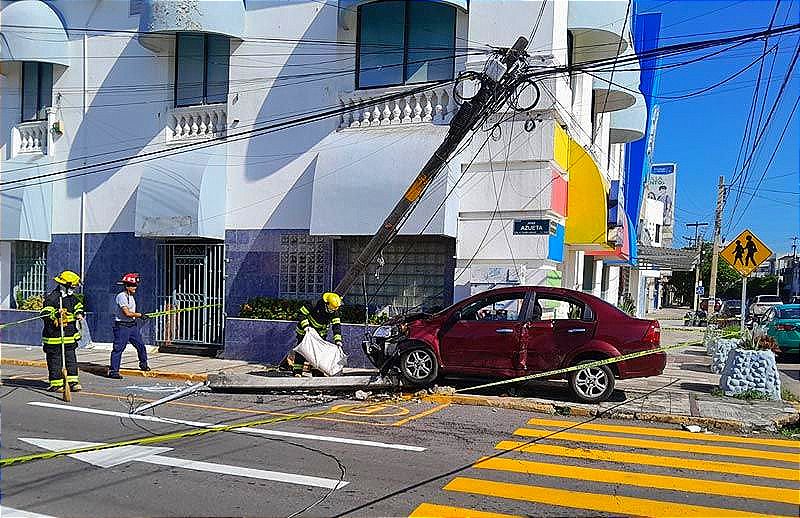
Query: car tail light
(653, 335)
(784, 327)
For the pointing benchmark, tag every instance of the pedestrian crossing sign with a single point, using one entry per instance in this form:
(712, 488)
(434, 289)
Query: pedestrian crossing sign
(745, 253)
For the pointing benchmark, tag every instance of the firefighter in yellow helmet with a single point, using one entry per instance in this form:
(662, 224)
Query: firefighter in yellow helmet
(323, 314)
(54, 319)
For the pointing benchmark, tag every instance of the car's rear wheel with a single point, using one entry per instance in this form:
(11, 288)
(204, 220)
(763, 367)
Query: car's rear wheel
(419, 367)
(592, 384)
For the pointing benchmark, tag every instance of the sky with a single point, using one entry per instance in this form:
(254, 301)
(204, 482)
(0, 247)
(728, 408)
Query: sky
(703, 134)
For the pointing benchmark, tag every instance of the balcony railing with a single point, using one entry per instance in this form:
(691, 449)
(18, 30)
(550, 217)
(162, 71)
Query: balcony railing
(435, 106)
(30, 138)
(200, 122)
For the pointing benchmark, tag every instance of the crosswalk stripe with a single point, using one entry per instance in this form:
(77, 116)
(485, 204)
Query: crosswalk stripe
(662, 432)
(445, 511)
(732, 468)
(615, 504)
(727, 451)
(691, 485)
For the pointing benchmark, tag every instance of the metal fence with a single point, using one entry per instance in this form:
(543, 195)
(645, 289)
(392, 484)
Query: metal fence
(190, 274)
(30, 269)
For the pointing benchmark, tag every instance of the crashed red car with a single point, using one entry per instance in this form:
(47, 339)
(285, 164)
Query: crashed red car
(511, 332)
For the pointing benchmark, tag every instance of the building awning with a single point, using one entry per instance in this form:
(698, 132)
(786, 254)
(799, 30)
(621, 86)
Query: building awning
(361, 174)
(225, 17)
(26, 211)
(660, 258)
(615, 90)
(351, 4)
(598, 29)
(587, 198)
(630, 124)
(186, 200)
(622, 251)
(32, 31)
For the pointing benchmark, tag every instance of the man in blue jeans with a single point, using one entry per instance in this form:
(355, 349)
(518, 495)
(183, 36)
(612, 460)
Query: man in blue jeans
(126, 328)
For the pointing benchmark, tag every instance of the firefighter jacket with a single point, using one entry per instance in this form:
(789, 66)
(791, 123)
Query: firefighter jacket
(319, 318)
(51, 334)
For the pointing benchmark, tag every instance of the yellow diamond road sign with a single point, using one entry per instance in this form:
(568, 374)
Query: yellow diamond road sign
(745, 253)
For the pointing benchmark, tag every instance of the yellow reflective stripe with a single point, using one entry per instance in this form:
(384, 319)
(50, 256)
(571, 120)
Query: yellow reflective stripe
(49, 311)
(72, 379)
(304, 323)
(57, 383)
(57, 341)
(337, 338)
(299, 331)
(304, 310)
(78, 307)
(336, 320)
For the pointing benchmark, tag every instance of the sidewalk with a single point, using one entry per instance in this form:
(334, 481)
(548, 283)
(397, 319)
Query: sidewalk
(681, 395)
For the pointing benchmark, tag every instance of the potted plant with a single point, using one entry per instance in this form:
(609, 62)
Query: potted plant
(751, 367)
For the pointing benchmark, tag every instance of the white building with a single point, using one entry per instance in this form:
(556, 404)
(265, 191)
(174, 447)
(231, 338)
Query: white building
(112, 157)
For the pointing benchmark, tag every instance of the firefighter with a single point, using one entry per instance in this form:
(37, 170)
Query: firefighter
(325, 313)
(55, 320)
(126, 328)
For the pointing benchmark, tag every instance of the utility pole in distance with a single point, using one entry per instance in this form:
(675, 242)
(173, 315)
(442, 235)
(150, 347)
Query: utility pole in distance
(698, 242)
(712, 289)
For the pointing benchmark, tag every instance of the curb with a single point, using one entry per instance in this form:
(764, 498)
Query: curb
(103, 371)
(567, 409)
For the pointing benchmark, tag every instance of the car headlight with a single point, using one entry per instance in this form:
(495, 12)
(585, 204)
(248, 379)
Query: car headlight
(383, 332)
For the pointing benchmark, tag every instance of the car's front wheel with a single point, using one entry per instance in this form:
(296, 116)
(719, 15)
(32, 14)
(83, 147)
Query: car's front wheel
(419, 367)
(592, 384)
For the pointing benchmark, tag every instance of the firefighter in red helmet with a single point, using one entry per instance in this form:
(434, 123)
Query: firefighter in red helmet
(126, 328)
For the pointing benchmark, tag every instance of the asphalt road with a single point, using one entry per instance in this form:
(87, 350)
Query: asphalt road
(382, 459)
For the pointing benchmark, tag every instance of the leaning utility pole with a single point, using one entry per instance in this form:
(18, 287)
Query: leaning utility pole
(712, 290)
(493, 80)
(698, 242)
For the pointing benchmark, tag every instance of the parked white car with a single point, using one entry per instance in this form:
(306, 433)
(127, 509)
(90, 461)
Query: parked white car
(761, 304)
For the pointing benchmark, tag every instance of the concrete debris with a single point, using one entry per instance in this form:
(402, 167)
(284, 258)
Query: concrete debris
(233, 382)
(693, 428)
(361, 395)
(442, 391)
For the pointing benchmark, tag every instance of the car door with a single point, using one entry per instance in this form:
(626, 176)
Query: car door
(559, 325)
(484, 336)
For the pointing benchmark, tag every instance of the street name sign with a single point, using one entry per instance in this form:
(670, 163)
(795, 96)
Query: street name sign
(536, 227)
(745, 253)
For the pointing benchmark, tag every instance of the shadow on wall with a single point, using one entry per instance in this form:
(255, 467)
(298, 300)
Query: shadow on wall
(105, 131)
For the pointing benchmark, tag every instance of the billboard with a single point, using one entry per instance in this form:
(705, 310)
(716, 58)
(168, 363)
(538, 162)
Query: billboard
(661, 186)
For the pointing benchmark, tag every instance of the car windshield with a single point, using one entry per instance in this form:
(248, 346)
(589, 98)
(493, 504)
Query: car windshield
(769, 298)
(789, 313)
(733, 303)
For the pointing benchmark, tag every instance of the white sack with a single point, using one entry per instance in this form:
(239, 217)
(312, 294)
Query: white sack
(323, 356)
(85, 341)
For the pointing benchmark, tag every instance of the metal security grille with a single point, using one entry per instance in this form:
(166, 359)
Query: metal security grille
(302, 266)
(418, 282)
(191, 274)
(30, 269)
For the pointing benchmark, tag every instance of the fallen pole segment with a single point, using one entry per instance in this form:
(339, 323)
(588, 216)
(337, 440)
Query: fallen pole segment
(248, 382)
(181, 393)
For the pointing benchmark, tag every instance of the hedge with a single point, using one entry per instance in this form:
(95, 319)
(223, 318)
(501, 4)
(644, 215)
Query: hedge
(281, 309)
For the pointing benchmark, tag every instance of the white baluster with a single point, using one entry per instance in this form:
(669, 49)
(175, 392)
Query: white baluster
(376, 116)
(418, 100)
(407, 109)
(396, 112)
(202, 128)
(387, 115)
(428, 108)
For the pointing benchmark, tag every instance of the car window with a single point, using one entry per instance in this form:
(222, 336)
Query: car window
(550, 307)
(497, 308)
(789, 313)
(769, 298)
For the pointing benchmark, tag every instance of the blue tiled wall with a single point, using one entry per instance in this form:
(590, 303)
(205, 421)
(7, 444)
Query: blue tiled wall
(108, 257)
(268, 341)
(30, 333)
(252, 266)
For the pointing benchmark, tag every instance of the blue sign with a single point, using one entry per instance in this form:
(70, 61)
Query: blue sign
(700, 290)
(662, 169)
(540, 227)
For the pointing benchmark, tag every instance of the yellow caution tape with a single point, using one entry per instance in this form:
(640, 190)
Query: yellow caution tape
(180, 310)
(156, 439)
(8, 324)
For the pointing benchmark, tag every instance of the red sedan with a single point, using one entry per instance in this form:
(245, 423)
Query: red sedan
(511, 332)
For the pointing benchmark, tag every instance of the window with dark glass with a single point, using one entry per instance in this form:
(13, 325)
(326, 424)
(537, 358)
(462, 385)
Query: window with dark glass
(37, 90)
(201, 69)
(404, 41)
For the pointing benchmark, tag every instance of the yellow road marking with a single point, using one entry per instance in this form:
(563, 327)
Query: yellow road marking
(424, 413)
(280, 414)
(691, 485)
(662, 432)
(376, 410)
(444, 511)
(727, 451)
(614, 504)
(654, 460)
